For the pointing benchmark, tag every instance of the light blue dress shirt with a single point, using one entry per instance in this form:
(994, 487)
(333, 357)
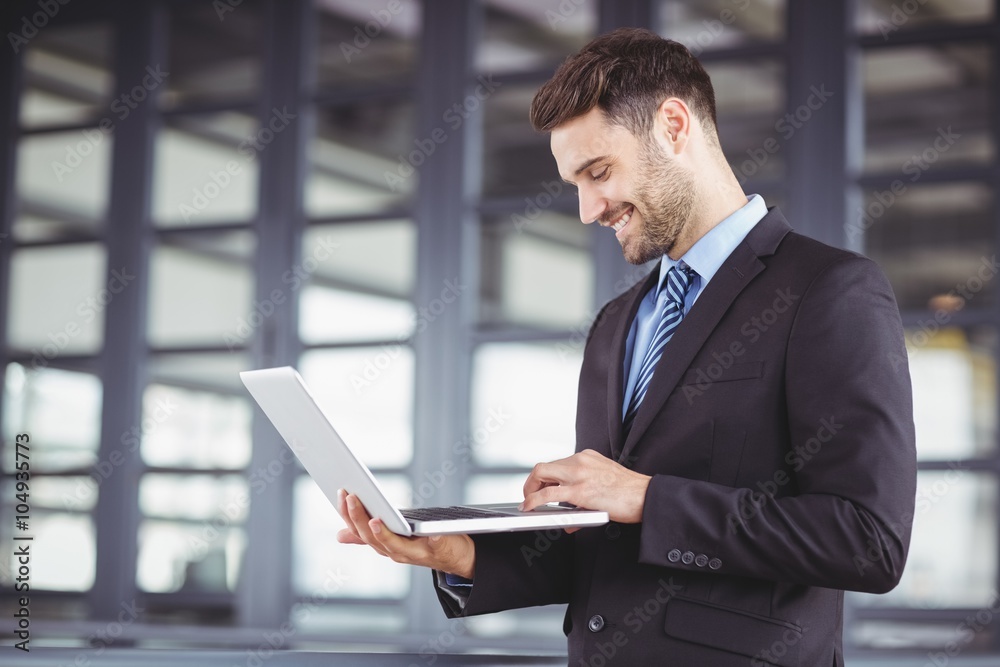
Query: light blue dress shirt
(705, 257)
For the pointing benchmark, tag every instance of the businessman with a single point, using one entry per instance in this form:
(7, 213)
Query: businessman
(744, 413)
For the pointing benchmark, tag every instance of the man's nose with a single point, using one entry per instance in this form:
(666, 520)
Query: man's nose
(592, 205)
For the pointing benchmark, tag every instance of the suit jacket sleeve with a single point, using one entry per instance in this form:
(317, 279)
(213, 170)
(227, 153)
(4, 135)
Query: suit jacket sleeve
(845, 521)
(515, 570)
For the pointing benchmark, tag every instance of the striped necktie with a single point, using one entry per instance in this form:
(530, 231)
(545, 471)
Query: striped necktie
(676, 288)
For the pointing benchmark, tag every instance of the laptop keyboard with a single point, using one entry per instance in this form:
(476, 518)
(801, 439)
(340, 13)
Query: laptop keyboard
(448, 513)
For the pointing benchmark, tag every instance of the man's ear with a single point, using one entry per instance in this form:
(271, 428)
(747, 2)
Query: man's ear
(672, 125)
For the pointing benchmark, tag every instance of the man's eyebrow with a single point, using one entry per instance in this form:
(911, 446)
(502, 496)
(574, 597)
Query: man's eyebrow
(583, 167)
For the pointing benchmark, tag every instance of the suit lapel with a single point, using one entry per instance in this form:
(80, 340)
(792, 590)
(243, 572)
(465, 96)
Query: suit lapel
(732, 277)
(616, 379)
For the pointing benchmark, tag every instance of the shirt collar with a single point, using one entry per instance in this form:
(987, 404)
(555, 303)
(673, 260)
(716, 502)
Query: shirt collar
(711, 250)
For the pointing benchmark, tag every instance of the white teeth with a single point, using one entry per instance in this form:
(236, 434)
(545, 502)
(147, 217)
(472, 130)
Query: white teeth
(622, 222)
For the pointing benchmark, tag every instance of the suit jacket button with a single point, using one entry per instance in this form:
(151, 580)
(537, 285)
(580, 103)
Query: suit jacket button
(674, 555)
(701, 560)
(612, 531)
(715, 563)
(596, 623)
(688, 557)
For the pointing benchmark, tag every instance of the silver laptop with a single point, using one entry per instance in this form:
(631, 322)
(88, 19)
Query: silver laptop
(286, 401)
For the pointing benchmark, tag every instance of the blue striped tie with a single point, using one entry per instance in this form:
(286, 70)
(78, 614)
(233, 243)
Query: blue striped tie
(676, 287)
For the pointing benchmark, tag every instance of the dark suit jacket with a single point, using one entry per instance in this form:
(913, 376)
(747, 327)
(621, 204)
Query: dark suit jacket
(778, 430)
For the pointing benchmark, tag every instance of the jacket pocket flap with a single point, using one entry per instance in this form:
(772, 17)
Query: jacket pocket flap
(766, 640)
(716, 372)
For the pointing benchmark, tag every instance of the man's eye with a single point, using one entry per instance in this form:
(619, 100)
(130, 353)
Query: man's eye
(603, 175)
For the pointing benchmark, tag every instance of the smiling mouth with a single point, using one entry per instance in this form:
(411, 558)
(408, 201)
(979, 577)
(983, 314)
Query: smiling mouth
(622, 221)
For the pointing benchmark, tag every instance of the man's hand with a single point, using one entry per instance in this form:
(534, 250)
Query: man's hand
(455, 554)
(588, 479)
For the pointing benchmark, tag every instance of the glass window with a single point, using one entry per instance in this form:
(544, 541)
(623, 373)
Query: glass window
(954, 391)
(192, 428)
(535, 272)
(885, 18)
(364, 158)
(206, 169)
(63, 183)
(201, 289)
(934, 242)
(58, 298)
(367, 392)
(346, 296)
(323, 568)
(516, 159)
(524, 402)
(60, 411)
(520, 35)
(208, 371)
(67, 74)
(194, 497)
(750, 107)
(54, 567)
(482, 489)
(926, 106)
(953, 551)
(196, 556)
(366, 43)
(214, 52)
(62, 493)
(721, 24)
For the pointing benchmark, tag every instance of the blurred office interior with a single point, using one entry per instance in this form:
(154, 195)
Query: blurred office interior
(194, 188)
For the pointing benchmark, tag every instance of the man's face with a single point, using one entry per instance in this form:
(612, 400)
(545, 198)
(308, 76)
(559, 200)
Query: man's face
(626, 183)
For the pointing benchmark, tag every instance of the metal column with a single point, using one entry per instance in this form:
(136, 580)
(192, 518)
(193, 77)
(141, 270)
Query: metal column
(265, 595)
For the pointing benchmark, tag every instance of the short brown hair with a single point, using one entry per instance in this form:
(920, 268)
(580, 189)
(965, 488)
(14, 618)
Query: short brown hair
(627, 73)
